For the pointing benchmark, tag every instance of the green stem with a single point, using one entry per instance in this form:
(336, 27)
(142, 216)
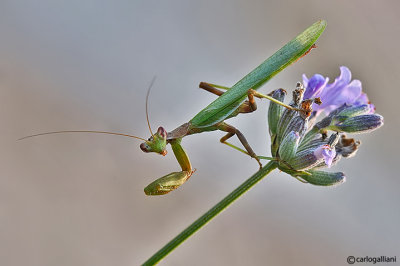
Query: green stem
(205, 218)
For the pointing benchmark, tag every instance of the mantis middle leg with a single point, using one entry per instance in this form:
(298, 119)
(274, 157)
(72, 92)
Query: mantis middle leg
(246, 107)
(234, 131)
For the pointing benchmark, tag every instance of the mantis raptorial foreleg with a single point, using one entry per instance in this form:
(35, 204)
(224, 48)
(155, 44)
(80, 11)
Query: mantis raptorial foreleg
(169, 182)
(173, 180)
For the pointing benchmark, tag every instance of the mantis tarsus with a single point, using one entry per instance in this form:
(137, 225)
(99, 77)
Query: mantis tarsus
(229, 104)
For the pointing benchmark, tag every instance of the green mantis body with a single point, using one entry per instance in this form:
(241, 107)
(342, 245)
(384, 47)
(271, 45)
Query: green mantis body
(227, 105)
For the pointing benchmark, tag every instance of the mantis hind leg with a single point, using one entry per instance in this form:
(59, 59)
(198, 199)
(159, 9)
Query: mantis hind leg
(234, 131)
(208, 87)
(246, 107)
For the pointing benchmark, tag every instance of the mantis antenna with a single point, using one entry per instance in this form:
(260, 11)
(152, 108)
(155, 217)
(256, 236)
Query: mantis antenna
(147, 100)
(82, 131)
(103, 132)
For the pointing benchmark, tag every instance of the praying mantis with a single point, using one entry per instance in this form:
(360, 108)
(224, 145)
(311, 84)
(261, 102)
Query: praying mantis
(229, 104)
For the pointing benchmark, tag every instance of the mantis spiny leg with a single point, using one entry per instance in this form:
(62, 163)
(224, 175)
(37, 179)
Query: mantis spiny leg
(234, 131)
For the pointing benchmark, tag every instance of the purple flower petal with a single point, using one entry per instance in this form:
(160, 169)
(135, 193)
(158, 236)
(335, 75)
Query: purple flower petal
(338, 93)
(363, 99)
(334, 95)
(345, 75)
(326, 153)
(314, 86)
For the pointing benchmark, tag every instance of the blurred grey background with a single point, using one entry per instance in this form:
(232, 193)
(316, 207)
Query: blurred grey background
(77, 199)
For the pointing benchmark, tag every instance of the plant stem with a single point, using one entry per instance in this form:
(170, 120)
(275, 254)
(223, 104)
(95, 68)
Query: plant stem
(205, 218)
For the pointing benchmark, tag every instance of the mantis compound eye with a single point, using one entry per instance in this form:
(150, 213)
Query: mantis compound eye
(144, 147)
(162, 132)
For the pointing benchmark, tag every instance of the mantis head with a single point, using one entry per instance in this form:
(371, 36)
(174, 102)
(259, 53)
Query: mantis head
(156, 143)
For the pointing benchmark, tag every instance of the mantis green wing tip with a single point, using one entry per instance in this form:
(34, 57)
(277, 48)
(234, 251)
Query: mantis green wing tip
(313, 32)
(322, 24)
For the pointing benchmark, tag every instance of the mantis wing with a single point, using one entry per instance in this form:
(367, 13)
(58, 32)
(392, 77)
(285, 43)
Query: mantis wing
(224, 105)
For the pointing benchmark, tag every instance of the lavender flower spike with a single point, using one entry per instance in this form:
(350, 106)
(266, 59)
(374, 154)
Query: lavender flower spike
(301, 145)
(341, 91)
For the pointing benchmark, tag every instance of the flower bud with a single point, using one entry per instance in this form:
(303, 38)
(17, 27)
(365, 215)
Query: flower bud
(288, 147)
(275, 110)
(304, 160)
(289, 114)
(321, 178)
(352, 110)
(359, 124)
(316, 154)
(297, 124)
